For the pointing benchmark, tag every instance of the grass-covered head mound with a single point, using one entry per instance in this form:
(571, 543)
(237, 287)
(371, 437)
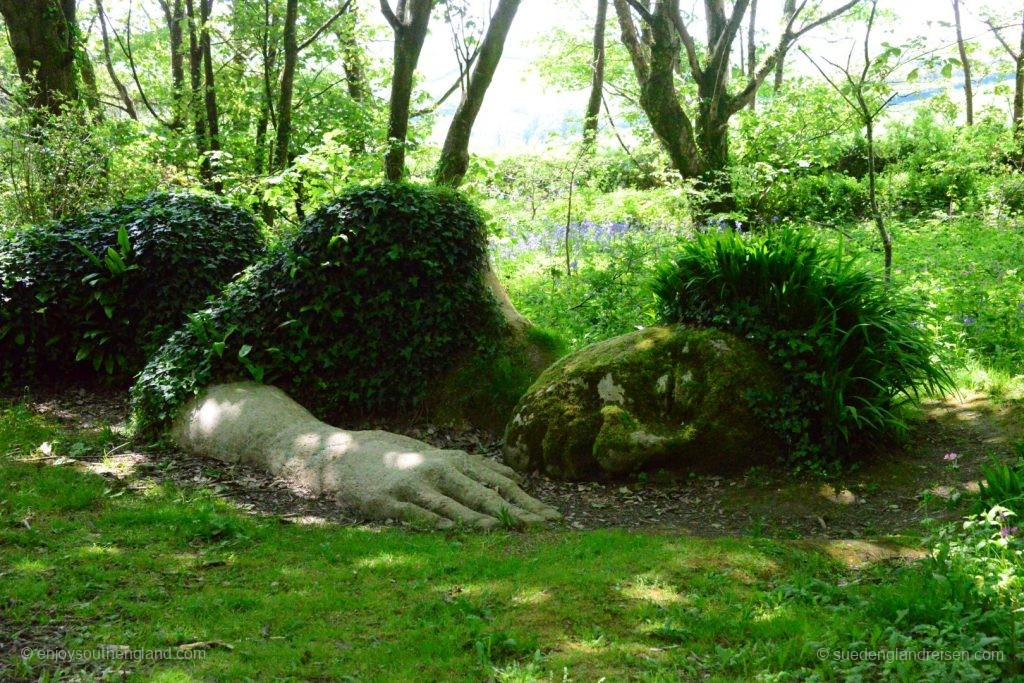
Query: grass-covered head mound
(375, 298)
(97, 293)
(853, 347)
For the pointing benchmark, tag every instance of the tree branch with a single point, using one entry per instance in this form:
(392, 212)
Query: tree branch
(385, 9)
(326, 25)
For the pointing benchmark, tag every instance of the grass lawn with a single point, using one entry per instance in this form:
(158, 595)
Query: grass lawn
(88, 561)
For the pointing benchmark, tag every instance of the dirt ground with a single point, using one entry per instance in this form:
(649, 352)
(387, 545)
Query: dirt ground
(890, 491)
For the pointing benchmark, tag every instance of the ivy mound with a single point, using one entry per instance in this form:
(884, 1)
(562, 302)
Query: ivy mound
(673, 397)
(97, 293)
(377, 308)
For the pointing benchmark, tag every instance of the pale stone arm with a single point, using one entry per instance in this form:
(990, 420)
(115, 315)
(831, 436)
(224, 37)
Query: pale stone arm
(384, 475)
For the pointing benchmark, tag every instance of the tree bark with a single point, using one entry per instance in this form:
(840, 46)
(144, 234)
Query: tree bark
(968, 89)
(282, 155)
(174, 15)
(122, 91)
(788, 10)
(42, 36)
(410, 29)
(209, 91)
(454, 161)
(195, 70)
(752, 49)
(263, 161)
(597, 75)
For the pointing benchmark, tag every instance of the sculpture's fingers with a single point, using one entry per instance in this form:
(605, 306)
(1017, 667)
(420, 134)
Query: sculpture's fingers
(509, 490)
(452, 509)
(410, 512)
(503, 470)
(472, 492)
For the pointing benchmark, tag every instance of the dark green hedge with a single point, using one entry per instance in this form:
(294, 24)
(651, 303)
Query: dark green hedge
(98, 292)
(377, 296)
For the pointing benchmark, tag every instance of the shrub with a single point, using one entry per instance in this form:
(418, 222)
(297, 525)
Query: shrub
(375, 298)
(100, 291)
(853, 348)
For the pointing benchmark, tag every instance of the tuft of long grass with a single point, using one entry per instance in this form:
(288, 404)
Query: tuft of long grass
(854, 348)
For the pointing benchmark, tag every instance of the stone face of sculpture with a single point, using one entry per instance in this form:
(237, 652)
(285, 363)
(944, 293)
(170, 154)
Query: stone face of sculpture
(382, 474)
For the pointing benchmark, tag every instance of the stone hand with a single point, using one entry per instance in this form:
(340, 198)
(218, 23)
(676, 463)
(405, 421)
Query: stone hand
(382, 474)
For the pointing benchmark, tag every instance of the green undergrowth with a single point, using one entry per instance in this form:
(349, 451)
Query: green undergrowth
(157, 566)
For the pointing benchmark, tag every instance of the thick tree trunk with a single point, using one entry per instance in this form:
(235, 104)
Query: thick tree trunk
(454, 161)
(410, 30)
(597, 75)
(968, 88)
(282, 155)
(42, 37)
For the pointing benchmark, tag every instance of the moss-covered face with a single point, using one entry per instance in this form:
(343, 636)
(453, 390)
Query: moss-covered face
(673, 397)
(377, 298)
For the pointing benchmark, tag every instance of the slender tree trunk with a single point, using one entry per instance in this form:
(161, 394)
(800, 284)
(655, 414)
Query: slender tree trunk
(876, 214)
(752, 50)
(209, 89)
(282, 156)
(122, 91)
(788, 9)
(263, 161)
(42, 37)
(174, 16)
(410, 30)
(597, 75)
(968, 89)
(1018, 91)
(454, 161)
(195, 70)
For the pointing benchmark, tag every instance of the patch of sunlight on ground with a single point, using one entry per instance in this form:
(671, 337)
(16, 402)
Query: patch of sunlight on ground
(171, 676)
(531, 596)
(30, 566)
(385, 560)
(122, 465)
(856, 554)
(838, 496)
(765, 613)
(646, 589)
(99, 550)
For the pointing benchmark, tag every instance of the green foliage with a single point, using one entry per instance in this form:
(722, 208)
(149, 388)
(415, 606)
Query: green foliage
(1002, 483)
(370, 301)
(852, 348)
(101, 290)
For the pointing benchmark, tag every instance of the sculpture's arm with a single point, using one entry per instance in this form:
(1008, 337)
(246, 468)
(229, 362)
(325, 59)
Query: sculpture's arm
(385, 475)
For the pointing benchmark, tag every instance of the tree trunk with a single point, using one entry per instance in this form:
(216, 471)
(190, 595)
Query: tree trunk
(1018, 91)
(209, 90)
(788, 9)
(410, 30)
(195, 71)
(872, 197)
(282, 157)
(752, 50)
(968, 89)
(42, 37)
(597, 75)
(262, 161)
(454, 161)
(122, 91)
(174, 16)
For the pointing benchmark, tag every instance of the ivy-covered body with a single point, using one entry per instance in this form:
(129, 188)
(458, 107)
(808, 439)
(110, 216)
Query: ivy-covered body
(96, 293)
(379, 298)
